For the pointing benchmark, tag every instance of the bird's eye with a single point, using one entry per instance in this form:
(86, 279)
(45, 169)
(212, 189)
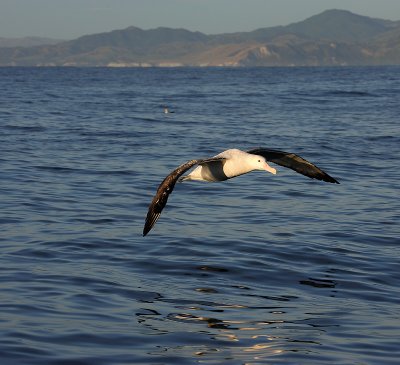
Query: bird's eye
(259, 160)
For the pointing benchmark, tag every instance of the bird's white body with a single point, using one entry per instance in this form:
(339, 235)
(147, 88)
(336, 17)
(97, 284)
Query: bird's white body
(232, 163)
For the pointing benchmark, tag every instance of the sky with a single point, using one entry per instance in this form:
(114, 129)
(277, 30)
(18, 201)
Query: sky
(69, 19)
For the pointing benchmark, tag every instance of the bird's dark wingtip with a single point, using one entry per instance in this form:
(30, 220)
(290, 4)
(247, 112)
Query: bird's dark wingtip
(151, 220)
(328, 178)
(146, 230)
(333, 180)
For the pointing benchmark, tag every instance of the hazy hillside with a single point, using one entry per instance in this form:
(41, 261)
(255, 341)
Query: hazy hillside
(340, 26)
(334, 37)
(27, 41)
(334, 25)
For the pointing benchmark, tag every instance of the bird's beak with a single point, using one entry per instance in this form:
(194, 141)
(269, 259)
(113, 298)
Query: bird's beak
(269, 169)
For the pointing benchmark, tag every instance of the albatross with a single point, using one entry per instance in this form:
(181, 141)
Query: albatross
(227, 165)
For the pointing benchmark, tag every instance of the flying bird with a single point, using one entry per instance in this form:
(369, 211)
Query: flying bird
(226, 165)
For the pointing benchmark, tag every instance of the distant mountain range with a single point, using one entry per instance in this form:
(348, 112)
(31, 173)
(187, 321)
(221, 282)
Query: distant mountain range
(332, 38)
(27, 41)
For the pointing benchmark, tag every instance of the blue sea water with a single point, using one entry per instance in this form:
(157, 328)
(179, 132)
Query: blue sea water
(260, 269)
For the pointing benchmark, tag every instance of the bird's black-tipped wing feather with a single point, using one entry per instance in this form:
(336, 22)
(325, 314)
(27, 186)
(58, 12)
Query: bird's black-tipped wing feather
(165, 189)
(294, 162)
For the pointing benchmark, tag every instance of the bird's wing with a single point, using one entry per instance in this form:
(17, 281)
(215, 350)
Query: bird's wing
(165, 189)
(294, 162)
(211, 159)
(160, 199)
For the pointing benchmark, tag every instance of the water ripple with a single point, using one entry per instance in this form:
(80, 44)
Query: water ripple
(260, 269)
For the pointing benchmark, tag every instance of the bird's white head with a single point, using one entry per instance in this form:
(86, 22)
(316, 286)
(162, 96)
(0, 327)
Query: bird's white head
(260, 163)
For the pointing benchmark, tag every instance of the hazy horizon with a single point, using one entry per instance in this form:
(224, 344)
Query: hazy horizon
(71, 19)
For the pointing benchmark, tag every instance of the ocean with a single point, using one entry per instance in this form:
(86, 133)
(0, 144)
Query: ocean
(260, 269)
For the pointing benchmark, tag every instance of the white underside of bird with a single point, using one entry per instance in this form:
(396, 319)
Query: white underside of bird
(233, 163)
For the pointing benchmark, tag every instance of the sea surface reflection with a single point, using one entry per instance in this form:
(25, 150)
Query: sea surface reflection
(261, 269)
